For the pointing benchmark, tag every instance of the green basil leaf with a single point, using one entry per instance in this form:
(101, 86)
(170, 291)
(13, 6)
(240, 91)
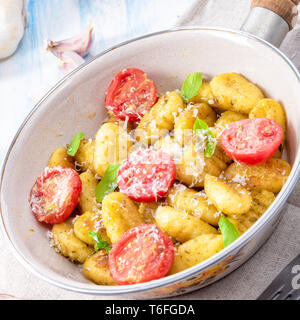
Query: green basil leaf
(200, 124)
(95, 236)
(74, 145)
(108, 182)
(228, 230)
(210, 145)
(100, 244)
(191, 85)
(202, 128)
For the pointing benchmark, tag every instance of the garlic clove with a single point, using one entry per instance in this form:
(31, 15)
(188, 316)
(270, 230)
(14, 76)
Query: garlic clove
(79, 44)
(69, 60)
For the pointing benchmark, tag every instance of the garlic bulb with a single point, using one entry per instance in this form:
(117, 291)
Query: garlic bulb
(11, 26)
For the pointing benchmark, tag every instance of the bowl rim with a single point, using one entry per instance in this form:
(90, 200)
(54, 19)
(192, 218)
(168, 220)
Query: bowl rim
(272, 211)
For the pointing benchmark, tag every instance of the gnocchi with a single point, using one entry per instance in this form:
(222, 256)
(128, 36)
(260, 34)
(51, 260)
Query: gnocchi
(183, 125)
(261, 200)
(233, 92)
(172, 221)
(193, 166)
(204, 94)
(270, 175)
(89, 221)
(119, 215)
(270, 109)
(65, 241)
(112, 144)
(162, 198)
(60, 158)
(96, 269)
(195, 251)
(84, 156)
(194, 203)
(230, 198)
(160, 119)
(87, 200)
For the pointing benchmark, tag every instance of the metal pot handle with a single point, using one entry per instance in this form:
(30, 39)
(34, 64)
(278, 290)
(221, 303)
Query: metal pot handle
(271, 20)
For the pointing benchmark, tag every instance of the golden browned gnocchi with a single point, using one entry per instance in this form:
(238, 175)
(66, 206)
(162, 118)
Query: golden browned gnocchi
(112, 144)
(65, 241)
(181, 225)
(96, 269)
(156, 180)
(119, 215)
(244, 221)
(193, 202)
(270, 175)
(261, 200)
(230, 198)
(193, 166)
(60, 158)
(84, 156)
(271, 109)
(160, 119)
(233, 92)
(125, 125)
(183, 127)
(89, 221)
(204, 94)
(87, 200)
(195, 251)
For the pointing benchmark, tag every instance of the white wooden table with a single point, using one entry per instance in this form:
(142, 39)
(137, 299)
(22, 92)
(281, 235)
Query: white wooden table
(32, 71)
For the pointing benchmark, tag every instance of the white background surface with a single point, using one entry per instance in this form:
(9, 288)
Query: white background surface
(26, 76)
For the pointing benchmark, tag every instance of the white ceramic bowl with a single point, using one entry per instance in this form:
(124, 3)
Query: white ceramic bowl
(168, 57)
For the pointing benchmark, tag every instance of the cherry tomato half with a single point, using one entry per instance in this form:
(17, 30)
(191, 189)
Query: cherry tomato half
(252, 141)
(130, 95)
(143, 253)
(146, 175)
(55, 194)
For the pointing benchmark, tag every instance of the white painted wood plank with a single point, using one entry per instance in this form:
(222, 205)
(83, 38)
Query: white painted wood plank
(32, 71)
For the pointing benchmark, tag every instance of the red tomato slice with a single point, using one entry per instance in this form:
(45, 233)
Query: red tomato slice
(142, 254)
(252, 141)
(130, 95)
(55, 194)
(146, 175)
